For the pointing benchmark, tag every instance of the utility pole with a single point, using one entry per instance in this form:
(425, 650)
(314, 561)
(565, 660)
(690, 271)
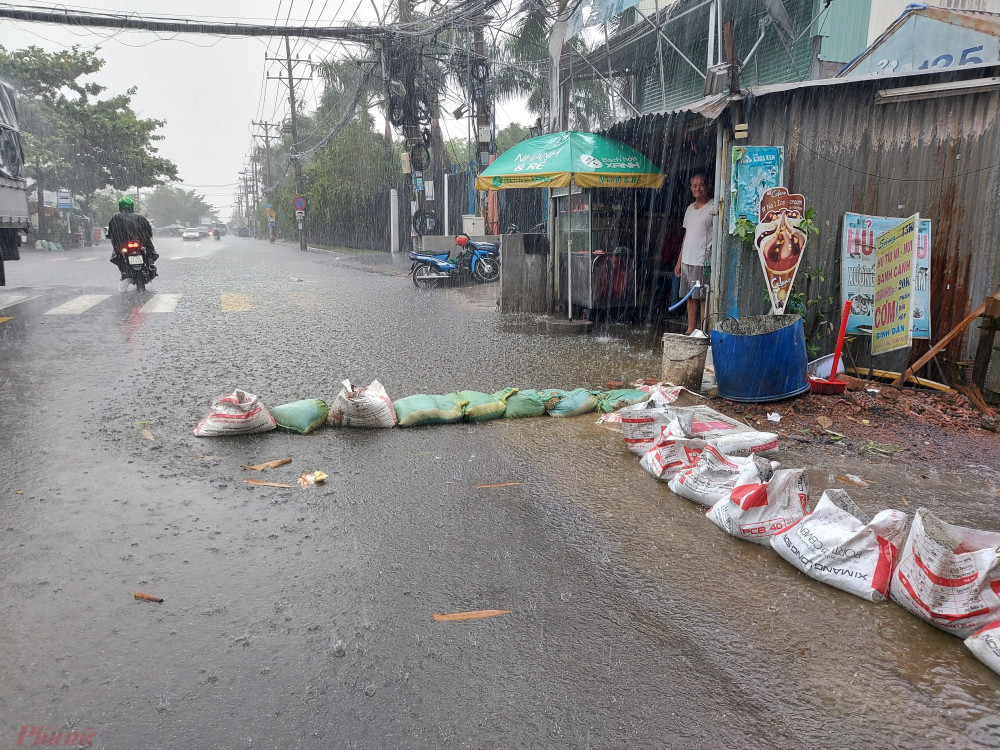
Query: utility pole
(41, 200)
(266, 137)
(295, 139)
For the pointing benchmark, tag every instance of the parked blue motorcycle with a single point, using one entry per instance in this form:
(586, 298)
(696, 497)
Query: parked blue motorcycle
(478, 260)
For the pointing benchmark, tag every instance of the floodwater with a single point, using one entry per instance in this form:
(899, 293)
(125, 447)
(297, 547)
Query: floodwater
(303, 618)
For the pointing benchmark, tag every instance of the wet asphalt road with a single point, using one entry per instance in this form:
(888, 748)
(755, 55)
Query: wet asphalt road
(303, 618)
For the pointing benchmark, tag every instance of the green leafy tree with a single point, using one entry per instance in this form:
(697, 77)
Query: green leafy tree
(85, 143)
(168, 205)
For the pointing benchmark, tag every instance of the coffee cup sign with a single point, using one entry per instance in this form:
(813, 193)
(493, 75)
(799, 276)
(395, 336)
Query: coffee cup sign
(780, 242)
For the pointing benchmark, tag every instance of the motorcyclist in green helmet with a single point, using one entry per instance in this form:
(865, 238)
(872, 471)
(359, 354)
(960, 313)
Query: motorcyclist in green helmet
(127, 226)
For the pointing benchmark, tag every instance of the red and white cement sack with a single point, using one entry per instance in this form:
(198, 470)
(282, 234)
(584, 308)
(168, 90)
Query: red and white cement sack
(239, 413)
(716, 475)
(949, 575)
(985, 645)
(837, 544)
(756, 512)
(642, 426)
(672, 453)
(362, 407)
(659, 395)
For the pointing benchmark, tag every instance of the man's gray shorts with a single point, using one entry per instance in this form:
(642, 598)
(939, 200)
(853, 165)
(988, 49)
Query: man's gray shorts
(691, 274)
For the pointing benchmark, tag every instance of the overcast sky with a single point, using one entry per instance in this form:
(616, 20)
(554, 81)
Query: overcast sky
(208, 89)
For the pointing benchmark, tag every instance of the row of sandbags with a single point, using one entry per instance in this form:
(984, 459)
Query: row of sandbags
(946, 575)
(242, 413)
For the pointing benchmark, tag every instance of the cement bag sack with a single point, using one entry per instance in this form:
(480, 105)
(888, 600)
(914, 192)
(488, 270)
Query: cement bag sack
(573, 404)
(523, 404)
(482, 407)
(609, 401)
(837, 544)
(948, 575)
(421, 409)
(756, 512)
(239, 413)
(362, 407)
(301, 416)
(730, 436)
(985, 645)
(716, 475)
(643, 425)
(672, 454)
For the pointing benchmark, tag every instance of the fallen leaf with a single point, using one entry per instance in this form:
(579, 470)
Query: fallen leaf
(144, 422)
(21, 492)
(906, 503)
(851, 479)
(148, 597)
(262, 483)
(824, 421)
(865, 421)
(476, 615)
(504, 484)
(148, 435)
(267, 465)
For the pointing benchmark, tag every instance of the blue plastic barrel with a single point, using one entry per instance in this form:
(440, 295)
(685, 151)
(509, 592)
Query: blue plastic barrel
(760, 358)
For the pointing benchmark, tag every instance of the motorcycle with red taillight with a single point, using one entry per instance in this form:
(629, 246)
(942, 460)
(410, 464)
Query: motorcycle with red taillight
(136, 267)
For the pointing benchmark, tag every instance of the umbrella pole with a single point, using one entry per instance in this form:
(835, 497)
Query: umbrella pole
(569, 253)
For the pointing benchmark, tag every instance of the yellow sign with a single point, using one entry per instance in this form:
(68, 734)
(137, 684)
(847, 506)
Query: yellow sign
(894, 275)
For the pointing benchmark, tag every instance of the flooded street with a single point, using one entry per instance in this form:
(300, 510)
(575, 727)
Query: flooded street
(303, 618)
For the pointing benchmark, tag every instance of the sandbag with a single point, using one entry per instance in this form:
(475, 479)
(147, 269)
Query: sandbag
(656, 396)
(421, 409)
(671, 454)
(756, 512)
(642, 425)
(482, 407)
(301, 416)
(985, 645)
(239, 413)
(716, 475)
(837, 544)
(526, 403)
(948, 575)
(609, 401)
(362, 407)
(573, 404)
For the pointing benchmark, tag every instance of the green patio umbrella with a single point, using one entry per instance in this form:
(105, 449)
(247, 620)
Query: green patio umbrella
(556, 159)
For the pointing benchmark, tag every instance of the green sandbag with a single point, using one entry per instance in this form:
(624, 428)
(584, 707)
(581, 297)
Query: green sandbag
(301, 416)
(483, 407)
(421, 409)
(523, 404)
(614, 400)
(551, 397)
(574, 403)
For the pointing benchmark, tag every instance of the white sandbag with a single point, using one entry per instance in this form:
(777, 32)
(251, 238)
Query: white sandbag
(239, 413)
(671, 454)
(837, 544)
(643, 424)
(948, 575)
(756, 512)
(362, 407)
(716, 475)
(985, 645)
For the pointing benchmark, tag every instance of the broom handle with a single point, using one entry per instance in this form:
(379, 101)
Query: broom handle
(840, 340)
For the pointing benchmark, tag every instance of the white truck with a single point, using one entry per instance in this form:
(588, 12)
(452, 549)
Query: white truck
(14, 217)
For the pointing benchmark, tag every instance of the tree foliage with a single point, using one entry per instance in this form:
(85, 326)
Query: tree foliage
(86, 143)
(168, 205)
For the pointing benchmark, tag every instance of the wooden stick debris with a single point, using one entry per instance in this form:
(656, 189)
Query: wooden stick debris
(148, 597)
(504, 484)
(264, 483)
(268, 465)
(475, 615)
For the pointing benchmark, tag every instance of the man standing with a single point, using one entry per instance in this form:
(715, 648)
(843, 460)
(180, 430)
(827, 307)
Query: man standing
(127, 226)
(696, 251)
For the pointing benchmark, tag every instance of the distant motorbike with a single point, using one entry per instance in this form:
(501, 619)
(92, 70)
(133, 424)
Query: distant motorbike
(218, 235)
(137, 266)
(479, 261)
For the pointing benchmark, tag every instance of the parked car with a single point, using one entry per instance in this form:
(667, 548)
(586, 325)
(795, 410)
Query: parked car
(191, 233)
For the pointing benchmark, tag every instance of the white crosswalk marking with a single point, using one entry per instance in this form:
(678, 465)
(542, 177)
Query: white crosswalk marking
(162, 303)
(78, 305)
(15, 299)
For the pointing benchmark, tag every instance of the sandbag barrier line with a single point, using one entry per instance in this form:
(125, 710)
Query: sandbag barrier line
(838, 544)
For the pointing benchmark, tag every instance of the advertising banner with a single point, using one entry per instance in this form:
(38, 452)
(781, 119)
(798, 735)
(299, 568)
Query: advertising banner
(780, 243)
(857, 271)
(755, 170)
(894, 273)
(64, 199)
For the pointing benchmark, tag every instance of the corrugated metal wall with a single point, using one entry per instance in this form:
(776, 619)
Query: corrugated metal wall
(843, 152)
